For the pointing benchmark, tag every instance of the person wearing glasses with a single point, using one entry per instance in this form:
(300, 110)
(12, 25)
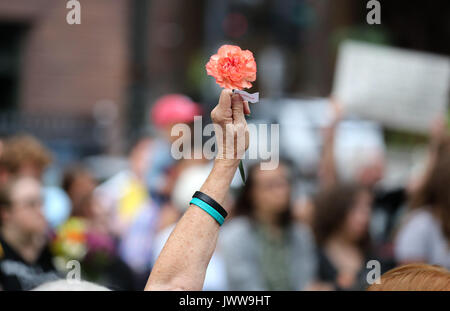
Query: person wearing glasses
(25, 259)
(263, 247)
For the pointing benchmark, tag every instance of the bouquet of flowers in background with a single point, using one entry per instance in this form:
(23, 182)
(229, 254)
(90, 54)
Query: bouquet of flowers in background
(76, 241)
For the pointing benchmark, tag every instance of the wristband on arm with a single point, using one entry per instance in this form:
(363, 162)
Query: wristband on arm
(209, 205)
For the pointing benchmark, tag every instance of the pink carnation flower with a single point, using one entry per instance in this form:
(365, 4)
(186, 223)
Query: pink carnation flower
(232, 67)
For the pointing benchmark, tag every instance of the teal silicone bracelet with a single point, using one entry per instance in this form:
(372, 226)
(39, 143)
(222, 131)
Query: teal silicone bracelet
(207, 208)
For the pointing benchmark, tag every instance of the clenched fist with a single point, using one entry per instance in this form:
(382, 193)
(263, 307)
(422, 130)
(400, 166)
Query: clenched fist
(230, 127)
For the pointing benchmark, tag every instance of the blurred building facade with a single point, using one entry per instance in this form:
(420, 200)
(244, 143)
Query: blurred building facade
(60, 81)
(91, 84)
(62, 75)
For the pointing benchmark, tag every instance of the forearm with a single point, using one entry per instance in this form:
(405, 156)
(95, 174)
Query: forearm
(183, 261)
(328, 174)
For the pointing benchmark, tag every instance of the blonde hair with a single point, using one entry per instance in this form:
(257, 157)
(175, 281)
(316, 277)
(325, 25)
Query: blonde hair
(414, 277)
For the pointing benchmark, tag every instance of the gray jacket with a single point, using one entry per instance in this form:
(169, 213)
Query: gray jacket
(242, 253)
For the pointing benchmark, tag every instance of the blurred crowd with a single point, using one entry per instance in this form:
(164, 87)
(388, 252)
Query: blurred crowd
(115, 227)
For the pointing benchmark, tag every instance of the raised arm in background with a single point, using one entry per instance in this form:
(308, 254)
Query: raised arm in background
(327, 170)
(183, 261)
(438, 147)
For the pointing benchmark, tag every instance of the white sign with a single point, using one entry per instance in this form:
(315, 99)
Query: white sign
(402, 89)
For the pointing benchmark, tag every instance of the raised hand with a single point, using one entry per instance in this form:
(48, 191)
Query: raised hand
(231, 127)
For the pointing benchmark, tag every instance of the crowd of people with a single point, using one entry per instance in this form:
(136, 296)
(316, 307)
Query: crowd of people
(116, 228)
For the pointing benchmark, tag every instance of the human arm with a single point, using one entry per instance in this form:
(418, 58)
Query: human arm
(184, 259)
(327, 170)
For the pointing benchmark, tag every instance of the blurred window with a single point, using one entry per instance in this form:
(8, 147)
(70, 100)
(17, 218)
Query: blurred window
(11, 39)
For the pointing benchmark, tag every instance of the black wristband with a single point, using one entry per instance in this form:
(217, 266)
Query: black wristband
(207, 199)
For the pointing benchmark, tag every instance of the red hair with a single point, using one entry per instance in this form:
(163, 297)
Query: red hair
(414, 277)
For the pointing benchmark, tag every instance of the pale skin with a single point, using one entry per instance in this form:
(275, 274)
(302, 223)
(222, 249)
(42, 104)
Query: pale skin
(23, 223)
(183, 261)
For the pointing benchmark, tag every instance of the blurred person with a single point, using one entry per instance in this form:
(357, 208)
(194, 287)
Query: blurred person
(24, 155)
(354, 152)
(124, 195)
(303, 210)
(425, 234)
(169, 213)
(264, 249)
(163, 170)
(132, 214)
(388, 203)
(189, 180)
(85, 238)
(25, 259)
(414, 277)
(77, 182)
(438, 148)
(167, 111)
(341, 227)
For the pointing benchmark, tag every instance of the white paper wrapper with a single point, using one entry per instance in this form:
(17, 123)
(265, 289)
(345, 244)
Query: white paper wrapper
(251, 98)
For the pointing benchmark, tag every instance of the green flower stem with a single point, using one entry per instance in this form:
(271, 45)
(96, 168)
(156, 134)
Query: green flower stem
(241, 170)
